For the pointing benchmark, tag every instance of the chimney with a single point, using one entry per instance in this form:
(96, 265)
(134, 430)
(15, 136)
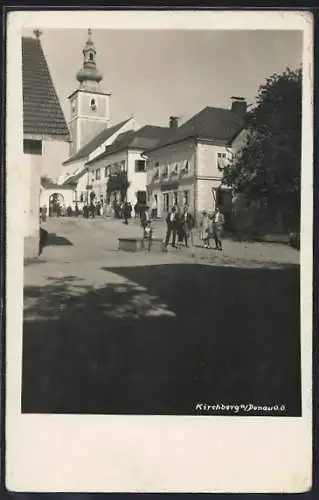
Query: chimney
(173, 122)
(239, 106)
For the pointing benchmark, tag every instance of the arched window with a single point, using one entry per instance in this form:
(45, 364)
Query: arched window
(93, 104)
(91, 56)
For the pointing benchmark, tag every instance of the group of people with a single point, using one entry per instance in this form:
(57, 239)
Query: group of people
(211, 227)
(180, 225)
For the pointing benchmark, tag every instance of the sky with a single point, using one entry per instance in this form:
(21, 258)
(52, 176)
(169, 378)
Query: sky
(154, 74)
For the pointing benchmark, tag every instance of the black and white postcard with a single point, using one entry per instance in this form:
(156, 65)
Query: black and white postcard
(159, 251)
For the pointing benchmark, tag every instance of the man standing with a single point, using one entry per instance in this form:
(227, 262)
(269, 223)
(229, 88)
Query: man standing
(145, 218)
(218, 224)
(172, 223)
(186, 226)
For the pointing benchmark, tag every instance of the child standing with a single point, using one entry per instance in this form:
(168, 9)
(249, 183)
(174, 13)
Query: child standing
(148, 234)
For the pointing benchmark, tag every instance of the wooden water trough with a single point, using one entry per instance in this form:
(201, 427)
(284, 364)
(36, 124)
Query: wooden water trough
(141, 244)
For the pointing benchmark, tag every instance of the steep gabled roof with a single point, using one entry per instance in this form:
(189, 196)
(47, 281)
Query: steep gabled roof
(73, 179)
(97, 141)
(42, 112)
(217, 124)
(53, 185)
(144, 138)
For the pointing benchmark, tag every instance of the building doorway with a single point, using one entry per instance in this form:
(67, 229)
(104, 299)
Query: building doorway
(141, 197)
(56, 204)
(224, 200)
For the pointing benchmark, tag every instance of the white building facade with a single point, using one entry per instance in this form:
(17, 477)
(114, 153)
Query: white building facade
(187, 168)
(129, 161)
(188, 172)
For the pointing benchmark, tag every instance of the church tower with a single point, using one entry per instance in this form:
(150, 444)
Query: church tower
(90, 106)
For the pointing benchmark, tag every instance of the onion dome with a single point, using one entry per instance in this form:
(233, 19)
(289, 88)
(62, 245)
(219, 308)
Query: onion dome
(89, 75)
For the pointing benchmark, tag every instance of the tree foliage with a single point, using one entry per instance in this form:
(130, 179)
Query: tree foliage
(118, 182)
(45, 180)
(268, 167)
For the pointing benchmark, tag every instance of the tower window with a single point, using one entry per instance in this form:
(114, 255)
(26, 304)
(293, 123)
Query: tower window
(91, 56)
(93, 104)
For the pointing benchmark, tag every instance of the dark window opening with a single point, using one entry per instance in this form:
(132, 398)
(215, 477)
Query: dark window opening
(31, 147)
(141, 197)
(140, 166)
(91, 56)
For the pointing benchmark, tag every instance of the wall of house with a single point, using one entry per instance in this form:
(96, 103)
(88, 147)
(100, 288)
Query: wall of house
(81, 191)
(210, 157)
(118, 161)
(68, 196)
(208, 176)
(207, 160)
(32, 165)
(137, 180)
(105, 165)
(170, 189)
(54, 153)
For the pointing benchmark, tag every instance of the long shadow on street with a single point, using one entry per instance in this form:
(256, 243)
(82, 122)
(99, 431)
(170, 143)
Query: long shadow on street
(170, 336)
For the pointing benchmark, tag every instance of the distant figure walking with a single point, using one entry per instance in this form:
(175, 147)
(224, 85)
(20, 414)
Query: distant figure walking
(77, 210)
(126, 209)
(172, 226)
(218, 225)
(130, 209)
(92, 211)
(137, 210)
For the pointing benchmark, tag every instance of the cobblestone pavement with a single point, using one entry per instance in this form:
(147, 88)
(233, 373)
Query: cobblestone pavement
(108, 331)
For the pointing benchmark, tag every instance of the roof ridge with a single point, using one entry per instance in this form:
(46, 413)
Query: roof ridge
(53, 86)
(220, 124)
(79, 154)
